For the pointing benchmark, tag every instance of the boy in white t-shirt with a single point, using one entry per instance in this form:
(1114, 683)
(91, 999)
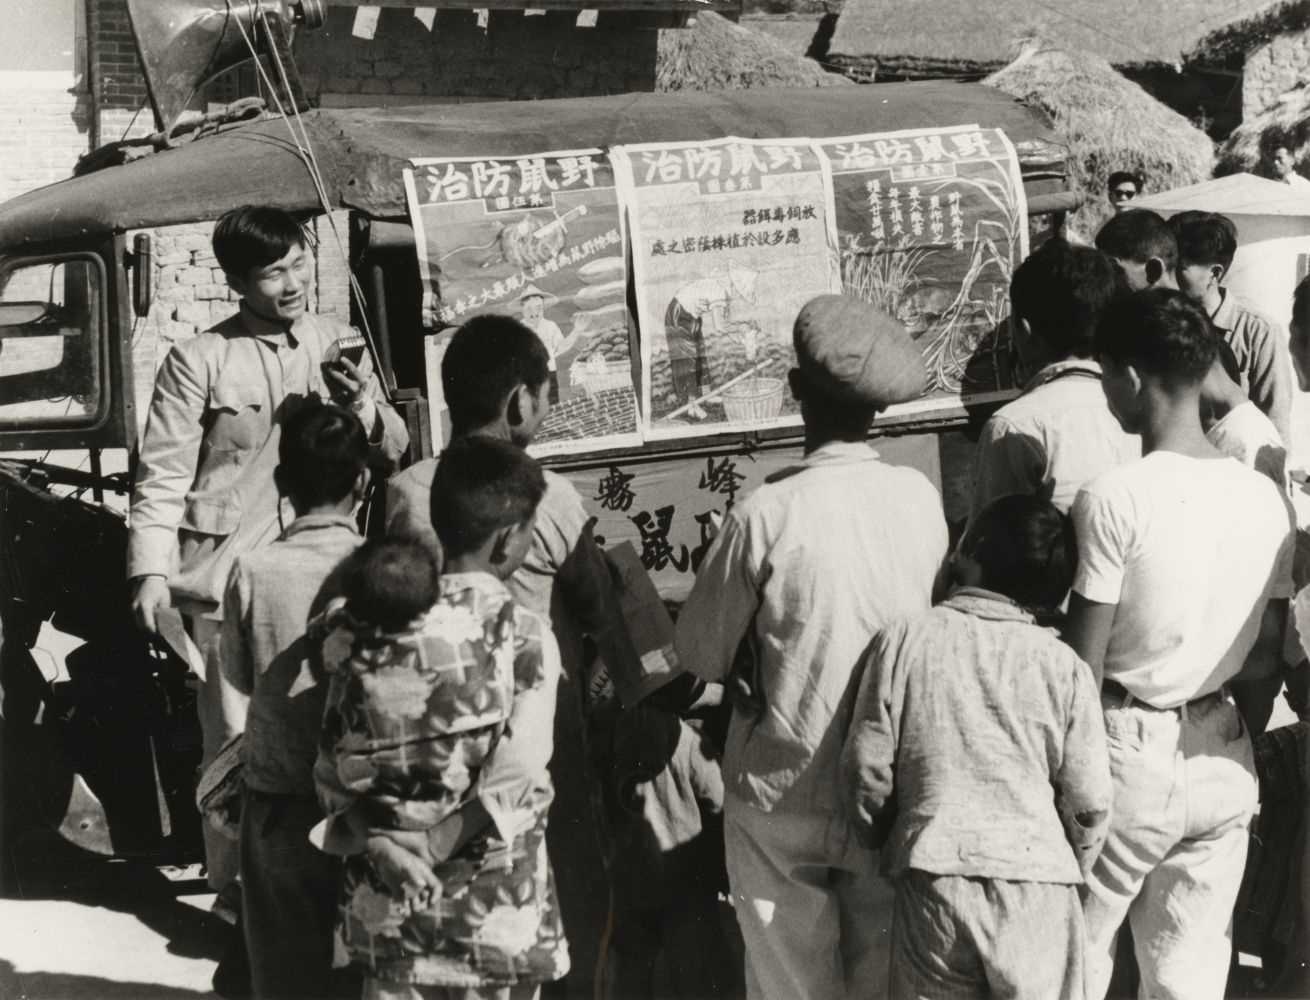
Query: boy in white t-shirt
(1183, 578)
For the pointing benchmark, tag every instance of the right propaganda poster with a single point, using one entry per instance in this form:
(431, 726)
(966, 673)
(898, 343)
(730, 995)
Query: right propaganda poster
(931, 224)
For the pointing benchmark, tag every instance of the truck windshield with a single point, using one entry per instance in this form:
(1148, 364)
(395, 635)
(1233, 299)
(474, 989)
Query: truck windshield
(50, 319)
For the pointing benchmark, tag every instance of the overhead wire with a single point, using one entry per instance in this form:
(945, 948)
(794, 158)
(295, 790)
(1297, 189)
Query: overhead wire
(305, 148)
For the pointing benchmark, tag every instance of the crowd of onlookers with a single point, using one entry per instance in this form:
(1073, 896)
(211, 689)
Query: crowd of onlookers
(1041, 734)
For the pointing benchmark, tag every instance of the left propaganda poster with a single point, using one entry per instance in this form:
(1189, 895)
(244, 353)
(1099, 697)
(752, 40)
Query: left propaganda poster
(729, 239)
(539, 238)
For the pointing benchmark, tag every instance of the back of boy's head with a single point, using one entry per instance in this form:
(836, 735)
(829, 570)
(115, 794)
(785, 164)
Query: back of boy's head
(254, 236)
(1159, 332)
(1060, 290)
(487, 359)
(388, 582)
(321, 453)
(1204, 238)
(1138, 235)
(1026, 550)
(482, 485)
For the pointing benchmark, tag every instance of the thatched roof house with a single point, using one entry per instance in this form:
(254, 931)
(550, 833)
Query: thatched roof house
(715, 54)
(1287, 123)
(1108, 122)
(897, 39)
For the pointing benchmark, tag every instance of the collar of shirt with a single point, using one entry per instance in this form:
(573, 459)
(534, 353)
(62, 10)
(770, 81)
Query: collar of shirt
(986, 604)
(1225, 317)
(270, 331)
(312, 522)
(841, 453)
(1072, 367)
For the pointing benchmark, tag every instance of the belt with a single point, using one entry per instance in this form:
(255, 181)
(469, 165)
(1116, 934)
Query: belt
(1116, 690)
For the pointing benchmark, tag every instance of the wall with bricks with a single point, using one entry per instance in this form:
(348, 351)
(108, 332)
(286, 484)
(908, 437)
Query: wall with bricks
(1273, 69)
(44, 123)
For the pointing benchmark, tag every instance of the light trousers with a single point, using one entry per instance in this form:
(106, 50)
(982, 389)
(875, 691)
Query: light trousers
(1184, 793)
(808, 899)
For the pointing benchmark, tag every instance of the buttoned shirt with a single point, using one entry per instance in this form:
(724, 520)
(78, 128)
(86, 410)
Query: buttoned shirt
(805, 570)
(986, 732)
(1059, 433)
(204, 488)
(271, 595)
(1260, 347)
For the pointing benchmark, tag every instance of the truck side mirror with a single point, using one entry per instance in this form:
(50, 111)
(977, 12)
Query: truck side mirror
(141, 261)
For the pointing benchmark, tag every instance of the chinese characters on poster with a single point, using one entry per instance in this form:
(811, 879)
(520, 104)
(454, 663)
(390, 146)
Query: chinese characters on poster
(931, 225)
(716, 246)
(540, 238)
(729, 239)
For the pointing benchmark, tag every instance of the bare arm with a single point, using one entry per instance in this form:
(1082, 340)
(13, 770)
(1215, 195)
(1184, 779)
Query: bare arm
(1088, 632)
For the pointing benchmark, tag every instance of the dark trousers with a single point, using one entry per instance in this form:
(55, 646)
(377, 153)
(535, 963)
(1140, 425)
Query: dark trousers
(289, 898)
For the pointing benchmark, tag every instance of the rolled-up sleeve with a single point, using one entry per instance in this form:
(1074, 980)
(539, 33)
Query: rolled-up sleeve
(391, 443)
(1103, 541)
(170, 452)
(1083, 788)
(721, 606)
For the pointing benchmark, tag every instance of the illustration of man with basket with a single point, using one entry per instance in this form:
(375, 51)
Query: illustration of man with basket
(701, 306)
(533, 303)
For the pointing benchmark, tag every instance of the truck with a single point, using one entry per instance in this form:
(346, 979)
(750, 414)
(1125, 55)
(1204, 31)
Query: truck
(102, 745)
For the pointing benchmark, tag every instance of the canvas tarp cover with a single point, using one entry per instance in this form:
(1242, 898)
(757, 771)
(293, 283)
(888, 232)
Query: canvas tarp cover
(362, 152)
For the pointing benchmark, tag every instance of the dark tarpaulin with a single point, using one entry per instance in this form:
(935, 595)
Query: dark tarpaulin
(361, 152)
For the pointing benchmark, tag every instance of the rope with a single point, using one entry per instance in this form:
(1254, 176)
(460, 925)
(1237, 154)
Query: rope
(306, 151)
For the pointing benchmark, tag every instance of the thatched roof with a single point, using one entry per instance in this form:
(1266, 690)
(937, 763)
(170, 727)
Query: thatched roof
(960, 37)
(715, 54)
(1108, 122)
(1242, 34)
(1287, 122)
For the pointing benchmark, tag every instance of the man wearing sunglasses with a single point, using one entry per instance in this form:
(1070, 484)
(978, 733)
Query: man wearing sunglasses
(1123, 187)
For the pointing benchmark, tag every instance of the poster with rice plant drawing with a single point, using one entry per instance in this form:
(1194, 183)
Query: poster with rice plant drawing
(539, 238)
(931, 225)
(729, 239)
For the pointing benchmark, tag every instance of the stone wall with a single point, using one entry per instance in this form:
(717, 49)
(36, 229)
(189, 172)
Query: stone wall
(516, 56)
(1273, 69)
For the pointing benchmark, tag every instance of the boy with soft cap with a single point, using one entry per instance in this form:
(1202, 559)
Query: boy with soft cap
(804, 572)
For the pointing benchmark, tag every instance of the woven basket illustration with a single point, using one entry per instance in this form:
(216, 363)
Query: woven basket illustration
(595, 374)
(753, 399)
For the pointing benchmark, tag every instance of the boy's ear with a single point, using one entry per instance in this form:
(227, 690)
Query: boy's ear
(1155, 270)
(501, 544)
(361, 484)
(235, 282)
(1218, 271)
(516, 405)
(797, 383)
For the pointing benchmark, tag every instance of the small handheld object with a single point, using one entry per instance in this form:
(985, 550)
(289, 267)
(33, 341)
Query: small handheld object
(351, 348)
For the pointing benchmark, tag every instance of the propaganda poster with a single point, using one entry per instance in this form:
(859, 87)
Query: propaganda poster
(931, 224)
(729, 239)
(539, 238)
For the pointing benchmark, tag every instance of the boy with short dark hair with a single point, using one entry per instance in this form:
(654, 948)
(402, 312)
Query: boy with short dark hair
(1143, 246)
(979, 732)
(1059, 433)
(289, 888)
(1207, 242)
(435, 745)
(1183, 577)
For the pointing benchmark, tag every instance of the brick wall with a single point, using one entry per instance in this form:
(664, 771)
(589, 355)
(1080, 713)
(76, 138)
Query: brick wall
(44, 122)
(1273, 69)
(516, 56)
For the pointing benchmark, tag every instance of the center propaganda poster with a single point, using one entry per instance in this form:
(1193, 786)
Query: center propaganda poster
(540, 238)
(932, 223)
(729, 239)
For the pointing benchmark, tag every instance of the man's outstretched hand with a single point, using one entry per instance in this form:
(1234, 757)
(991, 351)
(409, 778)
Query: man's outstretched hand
(149, 594)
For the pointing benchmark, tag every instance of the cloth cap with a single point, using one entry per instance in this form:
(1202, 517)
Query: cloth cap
(857, 353)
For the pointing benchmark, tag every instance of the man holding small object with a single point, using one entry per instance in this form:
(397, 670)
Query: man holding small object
(204, 491)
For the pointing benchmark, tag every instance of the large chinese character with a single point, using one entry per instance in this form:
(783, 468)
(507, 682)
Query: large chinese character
(491, 179)
(533, 176)
(614, 491)
(662, 165)
(855, 156)
(970, 144)
(656, 550)
(577, 168)
(893, 151)
(453, 185)
(783, 157)
(703, 163)
(742, 159)
(722, 478)
(931, 148)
